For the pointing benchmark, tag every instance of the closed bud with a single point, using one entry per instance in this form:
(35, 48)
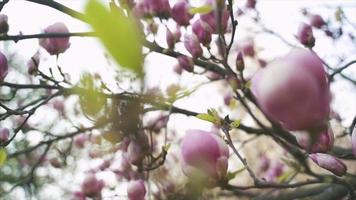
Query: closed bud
(4, 135)
(33, 63)
(79, 140)
(353, 141)
(305, 35)
(135, 153)
(317, 21)
(250, 4)
(204, 154)
(299, 97)
(203, 31)
(186, 63)
(153, 8)
(136, 190)
(180, 13)
(211, 18)
(240, 65)
(91, 186)
(55, 46)
(4, 26)
(3, 67)
(55, 163)
(329, 163)
(191, 43)
(170, 39)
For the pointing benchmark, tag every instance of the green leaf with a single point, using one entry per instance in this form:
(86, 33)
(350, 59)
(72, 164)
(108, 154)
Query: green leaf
(206, 117)
(201, 10)
(167, 147)
(232, 175)
(118, 33)
(235, 124)
(3, 156)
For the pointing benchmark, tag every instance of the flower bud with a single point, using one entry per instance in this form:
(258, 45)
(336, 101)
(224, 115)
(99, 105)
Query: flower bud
(79, 140)
(204, 153)
(299, 97)
(202, 31)
(234, 82)
(180, 13)
(274, 172)
(33, 63)
(212, 17)
(240, 65)
(135, 153)
(191, 43)
(213, 75)
(264, 163)
(247, 47)
(78, 196)
(55, 163)
(305, 35)
(91, 186)
(178, 69)
(170, 39)
(250, 4)
(55, 46)
(353, 141)
(317, 21)
(186, 63)
(136, 190)
(323, 142)
(4, 135)
(3, 67)
(4, 26)
(329, 163)
(159, 8)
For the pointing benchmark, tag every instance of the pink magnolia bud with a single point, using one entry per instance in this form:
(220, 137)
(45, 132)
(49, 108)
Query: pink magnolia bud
(274, 172)
(323, 142)
(250, 4)
(317, 21)
(206, 153)
(136, 190)
(211, 18)
(191, 43)
(228, 98)
(55, 46)
(159, 8)
(263, 163)
(178, 69)
(78, 196)
(4, 135)
(55, 163)
(240, 65)
(170, 39)
(3, 67)
(186, 63)
(262, 62)
(353, 141)
(212, 75)
(91, 186)
(299, 97)
(4, 26)
(247, 47)
(180, 13)
(329, 163)
(135, 153)
(203, 31)
(305, 35)
(79, 140)
(33, 63)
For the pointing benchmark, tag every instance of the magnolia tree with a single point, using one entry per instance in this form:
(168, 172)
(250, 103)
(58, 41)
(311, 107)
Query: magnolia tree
(275, 134)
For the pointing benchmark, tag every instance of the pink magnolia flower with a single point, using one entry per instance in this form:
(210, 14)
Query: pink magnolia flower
(329, 163)
(317, 21)
(136, 190)
(250, 4)
(247, 47)
(159, 8)
(211, 19)
(191, 43)
(135, 153)
(79, 140)
(205, 154)
(305, 35)
(33, 63)
(3, 67)
(180, 13)
(4, 26)
(4, 135)
(323, 142)
(240, 65)
(91, 186)
(55, 46)
(299, 97)
(186, 63)
(203, 31)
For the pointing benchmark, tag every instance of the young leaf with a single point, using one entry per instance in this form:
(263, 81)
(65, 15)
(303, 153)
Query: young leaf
(3, 156)
(118, 33)
(235, 124)
(201, 10)
(206, 117)
(232, 175)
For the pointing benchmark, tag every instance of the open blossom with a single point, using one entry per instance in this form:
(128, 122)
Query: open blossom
(203, 32)
(55, 46)
(136, 190)
(4, 135)
(191, 43)
(180, 13)
(305, 35)
(329, 163)
(4, 26)
(205, 154)
(3, 67)
(91, 186)
(323, 142)
(299, 97)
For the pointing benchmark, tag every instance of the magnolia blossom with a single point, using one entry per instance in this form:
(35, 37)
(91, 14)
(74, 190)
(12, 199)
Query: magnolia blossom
(203, 31)
(324, 141)
(294, 91)
(191, 43)
(247, 47)
(186, 63)
(91, 186)
(4, 26)
(204, 155)
(3, 67)
(317, 21)
(136, 190)
(240, 65)
(4, 135)
(160, 8)
(329, 163)
(305, 35)
(135, 153)
(180, 13)
(55, 46)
